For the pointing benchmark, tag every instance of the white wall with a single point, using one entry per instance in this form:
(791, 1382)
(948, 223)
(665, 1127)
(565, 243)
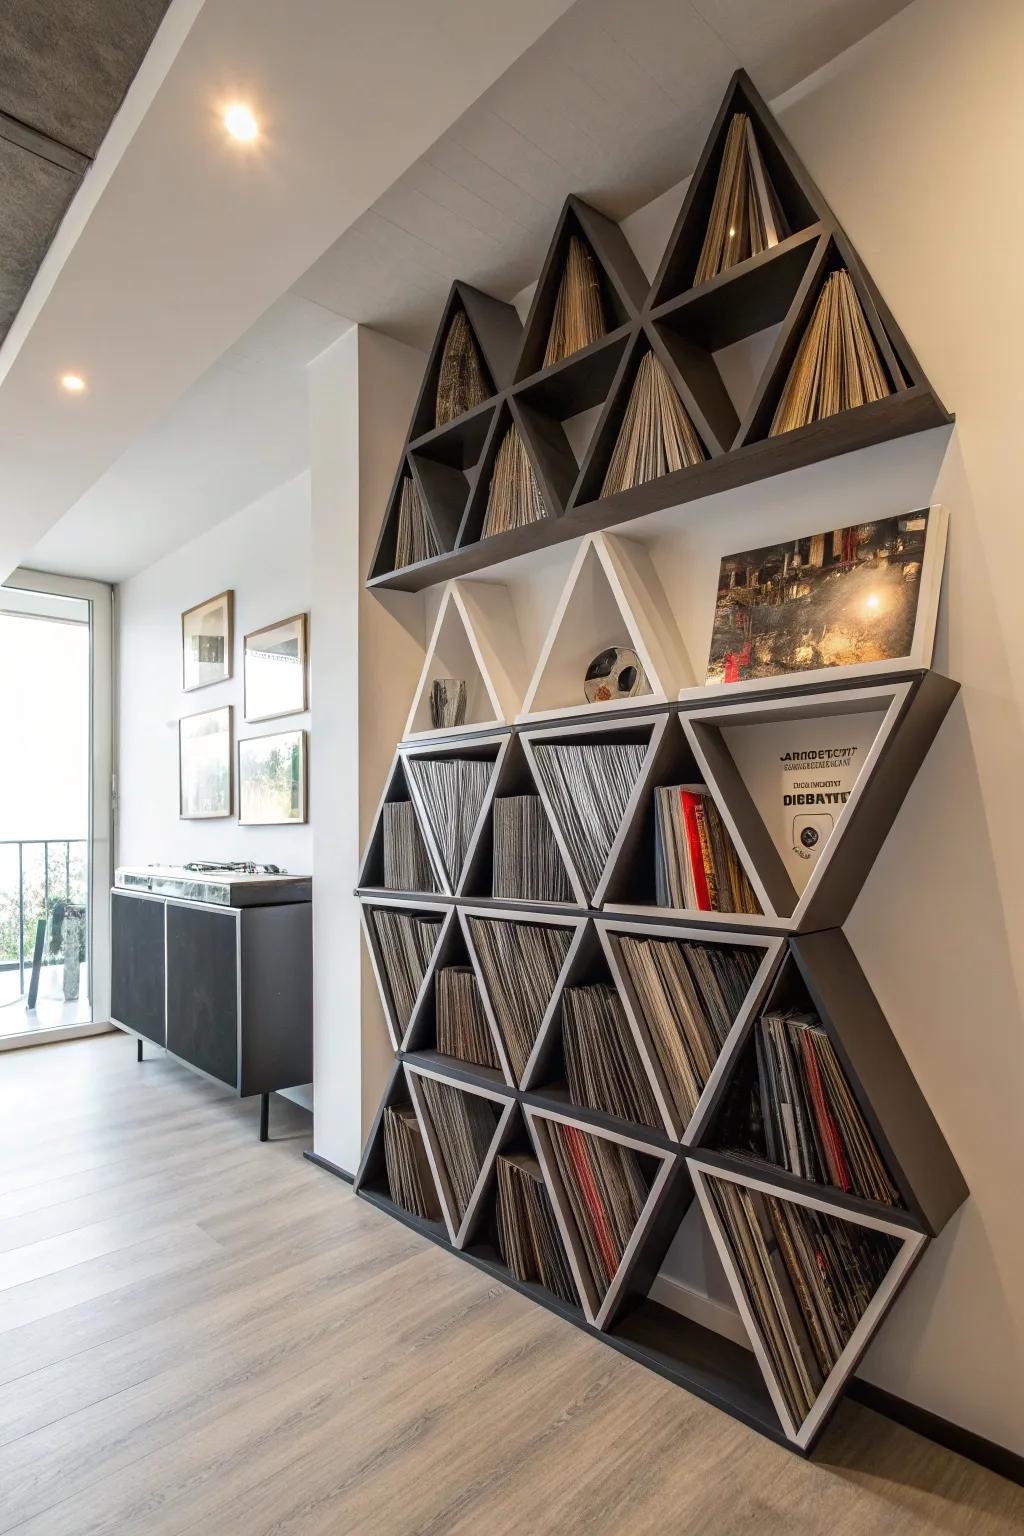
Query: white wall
(263, 554)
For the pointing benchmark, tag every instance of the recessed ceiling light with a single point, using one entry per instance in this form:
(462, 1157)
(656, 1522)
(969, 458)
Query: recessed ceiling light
(240, 123)
(73, 383)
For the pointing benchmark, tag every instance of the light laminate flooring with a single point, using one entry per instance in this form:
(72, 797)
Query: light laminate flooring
(202, 1334)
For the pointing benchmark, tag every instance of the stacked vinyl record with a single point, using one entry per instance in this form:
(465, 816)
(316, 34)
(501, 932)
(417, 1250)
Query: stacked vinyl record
(606, 1192)
(589, 785)
(527, 865)
(406, 862)
(745, 217)
(578, 318)
(602, 1063)
(809, 1278)
(409, 1177)
(688, 996)
(462, 380)
(451, 791)
(656, 436)
(697, 867)
(464, 1126)
(528, 1237)
(461, 1024)
(514, 498)
(414, 538)
(521, 963)
(405, 942)
(837, 365)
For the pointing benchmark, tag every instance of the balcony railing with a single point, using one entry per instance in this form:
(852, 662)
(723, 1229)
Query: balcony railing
(36, 873)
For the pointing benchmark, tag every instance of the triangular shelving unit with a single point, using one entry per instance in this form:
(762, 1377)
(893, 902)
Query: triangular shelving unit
(611, 598)
(760, 304)
(521, 1061)
(683, 1119)
(372, 1180)
(400, 1019)
(371, 868)
(475, 639)
(646, 733)
(459, 1216)
(453, 842)
(603, 1295)
(802, 1427)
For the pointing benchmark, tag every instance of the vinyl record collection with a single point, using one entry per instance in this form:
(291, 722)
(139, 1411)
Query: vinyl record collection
(447, 702)
(405, 1157)
(526, 863)
(688, 996)
(745, 217)
(461, 1025)
(602, 1064)
(696, 865)
(414, 538)
(656, 435)
(462, 380)
(812, 1123)
(528, 1236)
(605, 1190)
(451, 791)
(521, 963)
(406, 862)
(588, 786)
(514, 497)
(578, 319)
(405, 942)
(837, 365)
(809, 1278)
(464, 1126)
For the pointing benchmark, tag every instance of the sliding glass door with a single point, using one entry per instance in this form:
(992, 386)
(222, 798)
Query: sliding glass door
(55, 807)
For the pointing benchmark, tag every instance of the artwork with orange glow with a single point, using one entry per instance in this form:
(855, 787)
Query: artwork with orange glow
(836, 599)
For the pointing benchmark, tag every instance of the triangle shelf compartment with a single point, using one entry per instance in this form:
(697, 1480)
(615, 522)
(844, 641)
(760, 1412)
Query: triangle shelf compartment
(513, 780)
(644, 732)
(445, 465)
(371, 869)
(811, 860)
(372, 1179)
(520, 1040)
(612, 597)
(476, 639)
(620, 278)
(460, 1208)
(655, 1176)
(684, 1105)
(898, 1249)
(420, 1040)
(551, 463)
(497, 334)
(385, 554)
(451, 839)
(400, 1003)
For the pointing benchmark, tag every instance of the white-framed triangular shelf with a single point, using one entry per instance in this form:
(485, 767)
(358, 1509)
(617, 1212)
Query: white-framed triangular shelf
(612, 599)
(475, 641)
(402, 959)
(419, 859)
(460, 1195)
(807, 1350)
(603, 1257)
(733, 969)
(590, 842)
(507, 949)
(453, 801)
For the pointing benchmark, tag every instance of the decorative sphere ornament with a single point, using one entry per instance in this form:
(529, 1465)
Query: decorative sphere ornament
(614, 674)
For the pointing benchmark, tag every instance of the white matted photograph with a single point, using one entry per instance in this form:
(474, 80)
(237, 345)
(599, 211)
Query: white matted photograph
(272, 779)
(275, 669)
(206, 642)
(204, 764)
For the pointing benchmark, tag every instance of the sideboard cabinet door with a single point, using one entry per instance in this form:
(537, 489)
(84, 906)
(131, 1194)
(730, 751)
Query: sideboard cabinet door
(202, 989)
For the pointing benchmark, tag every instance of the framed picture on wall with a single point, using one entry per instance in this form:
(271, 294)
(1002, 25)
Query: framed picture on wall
(206, 640)
(272, 779)
(849, 602)
(274, 669)
(205, 764)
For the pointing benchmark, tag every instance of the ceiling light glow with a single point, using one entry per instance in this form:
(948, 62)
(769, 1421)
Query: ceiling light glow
(240, 123)
(73, 383)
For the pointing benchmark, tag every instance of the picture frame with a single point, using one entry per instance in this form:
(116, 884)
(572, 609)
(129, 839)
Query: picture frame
(871, 588)
(205, 764)
(275, 669)
(273, 787)
(207, 640)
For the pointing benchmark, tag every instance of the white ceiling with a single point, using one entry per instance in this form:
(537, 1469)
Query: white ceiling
(613, 102)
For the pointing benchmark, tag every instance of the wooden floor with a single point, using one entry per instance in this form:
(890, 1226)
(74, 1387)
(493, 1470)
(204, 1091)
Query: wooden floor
(202, 1334)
